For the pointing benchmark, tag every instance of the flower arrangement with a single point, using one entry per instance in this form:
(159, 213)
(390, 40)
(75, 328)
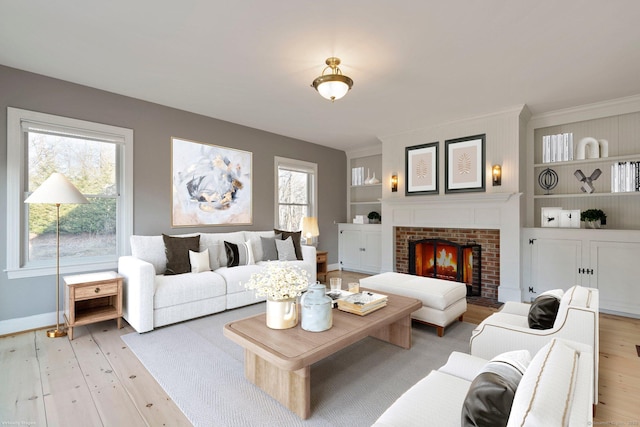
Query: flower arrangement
(279, 281)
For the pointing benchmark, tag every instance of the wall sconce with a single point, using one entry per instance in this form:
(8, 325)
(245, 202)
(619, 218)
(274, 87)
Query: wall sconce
(496, 172)
(394, 183)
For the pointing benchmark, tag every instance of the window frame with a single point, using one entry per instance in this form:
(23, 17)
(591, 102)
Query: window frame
(301, 166)
(16, 191)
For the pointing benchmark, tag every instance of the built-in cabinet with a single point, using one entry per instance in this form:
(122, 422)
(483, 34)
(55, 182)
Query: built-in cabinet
(360, 247)
(602, 259)
(364, 195)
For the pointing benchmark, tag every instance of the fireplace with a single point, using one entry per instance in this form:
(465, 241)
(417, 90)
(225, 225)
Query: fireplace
(444, 259)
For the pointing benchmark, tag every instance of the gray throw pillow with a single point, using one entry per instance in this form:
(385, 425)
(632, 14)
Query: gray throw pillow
(269, 250)
(286, 251)
(295, 236)
(177, 250)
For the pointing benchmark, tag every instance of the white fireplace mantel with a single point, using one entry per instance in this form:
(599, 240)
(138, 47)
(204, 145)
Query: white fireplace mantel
(499, 211)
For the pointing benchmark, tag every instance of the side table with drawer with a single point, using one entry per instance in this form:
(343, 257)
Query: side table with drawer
(92, 298)
(321, 263)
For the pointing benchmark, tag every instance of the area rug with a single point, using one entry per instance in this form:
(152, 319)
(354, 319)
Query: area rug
(202, 371)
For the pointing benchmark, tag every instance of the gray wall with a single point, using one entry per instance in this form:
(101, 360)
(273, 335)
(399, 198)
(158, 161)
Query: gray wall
(153, 127)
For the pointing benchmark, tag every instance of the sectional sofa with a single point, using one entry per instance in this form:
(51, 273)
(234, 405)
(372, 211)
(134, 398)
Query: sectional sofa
(152, 298)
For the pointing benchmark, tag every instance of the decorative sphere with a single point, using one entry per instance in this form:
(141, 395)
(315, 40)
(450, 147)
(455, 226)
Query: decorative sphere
(548, 179)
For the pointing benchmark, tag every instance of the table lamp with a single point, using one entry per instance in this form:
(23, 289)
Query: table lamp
(310, 228)
(57, 190)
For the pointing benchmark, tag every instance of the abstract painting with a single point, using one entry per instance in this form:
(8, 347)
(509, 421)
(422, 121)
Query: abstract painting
(211, 185)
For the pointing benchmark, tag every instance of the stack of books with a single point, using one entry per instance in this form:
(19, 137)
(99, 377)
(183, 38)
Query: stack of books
(625, 176)
(557, 148)
(362, 303)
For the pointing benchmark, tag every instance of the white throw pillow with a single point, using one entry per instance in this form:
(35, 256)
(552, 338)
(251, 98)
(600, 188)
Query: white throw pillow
(545, 393)
(199, 261)
(286, 250)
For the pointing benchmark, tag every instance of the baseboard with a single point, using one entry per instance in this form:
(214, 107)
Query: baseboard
(22, 324)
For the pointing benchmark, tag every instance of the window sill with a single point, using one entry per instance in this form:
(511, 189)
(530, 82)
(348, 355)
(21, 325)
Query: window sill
(50, 270)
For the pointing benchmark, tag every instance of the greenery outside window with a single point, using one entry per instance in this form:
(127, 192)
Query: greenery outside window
(94, 157)
(296, 192)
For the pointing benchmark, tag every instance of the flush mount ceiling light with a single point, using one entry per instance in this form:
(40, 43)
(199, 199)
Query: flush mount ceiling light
(334, 85)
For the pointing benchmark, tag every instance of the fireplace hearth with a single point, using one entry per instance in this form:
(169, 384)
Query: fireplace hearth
(444, 259)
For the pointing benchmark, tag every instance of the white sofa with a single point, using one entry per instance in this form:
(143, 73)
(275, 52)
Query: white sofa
(152, 299)
(555, 390)
(577, 320)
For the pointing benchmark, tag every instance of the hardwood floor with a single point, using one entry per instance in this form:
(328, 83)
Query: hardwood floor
(95, 380)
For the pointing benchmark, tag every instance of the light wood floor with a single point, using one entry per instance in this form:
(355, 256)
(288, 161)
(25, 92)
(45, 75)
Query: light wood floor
(95, 380)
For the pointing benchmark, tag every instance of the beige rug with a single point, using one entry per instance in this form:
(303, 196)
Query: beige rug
(202, 371)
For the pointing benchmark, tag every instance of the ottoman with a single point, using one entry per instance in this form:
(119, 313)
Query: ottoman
(443, 301)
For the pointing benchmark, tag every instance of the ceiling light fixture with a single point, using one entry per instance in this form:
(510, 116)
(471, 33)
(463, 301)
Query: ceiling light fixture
(334, 85)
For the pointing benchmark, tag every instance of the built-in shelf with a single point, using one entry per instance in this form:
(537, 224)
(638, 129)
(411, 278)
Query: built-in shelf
(565, 196)
(587, 161)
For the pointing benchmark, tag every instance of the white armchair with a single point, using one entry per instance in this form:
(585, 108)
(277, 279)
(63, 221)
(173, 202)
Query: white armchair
(508, 329)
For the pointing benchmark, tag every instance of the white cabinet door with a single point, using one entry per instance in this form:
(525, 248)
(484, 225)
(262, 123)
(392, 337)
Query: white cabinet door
(350, 248)
(615, 275)
(371, 250)
(555, 264)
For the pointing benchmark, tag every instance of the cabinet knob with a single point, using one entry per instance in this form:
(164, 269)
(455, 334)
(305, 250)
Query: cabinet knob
(96, 290)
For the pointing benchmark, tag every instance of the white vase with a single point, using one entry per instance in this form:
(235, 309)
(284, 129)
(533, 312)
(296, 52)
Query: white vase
(282, 314)
(592, 224)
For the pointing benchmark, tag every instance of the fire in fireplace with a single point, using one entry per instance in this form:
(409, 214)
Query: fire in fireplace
(443, 259)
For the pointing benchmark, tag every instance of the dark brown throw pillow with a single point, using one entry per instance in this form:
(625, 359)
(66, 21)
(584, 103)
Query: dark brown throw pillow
(543, 312)
(295, 236)
(177, 250)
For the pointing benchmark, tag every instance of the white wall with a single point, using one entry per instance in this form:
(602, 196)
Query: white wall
(496, 208)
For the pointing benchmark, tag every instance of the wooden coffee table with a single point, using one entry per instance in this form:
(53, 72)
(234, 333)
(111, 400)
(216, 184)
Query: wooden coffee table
(279, 361)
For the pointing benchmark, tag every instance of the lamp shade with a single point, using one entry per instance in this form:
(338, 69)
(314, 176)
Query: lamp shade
(310, 227)
(57, 189)
(333, 85)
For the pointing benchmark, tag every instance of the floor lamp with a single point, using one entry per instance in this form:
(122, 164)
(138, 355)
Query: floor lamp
(57, 190)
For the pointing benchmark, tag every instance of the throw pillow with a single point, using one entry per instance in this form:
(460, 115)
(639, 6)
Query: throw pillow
(269, 250)
(199, 261)
(543, 310)
(238, 254)
(286, 251)
(295, 236)
(177, 250)
(490, 396)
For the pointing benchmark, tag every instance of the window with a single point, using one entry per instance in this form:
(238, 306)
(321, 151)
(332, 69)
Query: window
(296, 192)
(97, 159)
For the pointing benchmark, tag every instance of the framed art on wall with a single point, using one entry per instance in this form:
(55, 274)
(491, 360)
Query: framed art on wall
(421, 168)
(211, 185)
(464, 164)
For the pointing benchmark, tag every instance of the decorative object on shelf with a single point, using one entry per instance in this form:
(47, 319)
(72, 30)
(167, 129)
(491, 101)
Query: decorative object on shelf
(464, 164)
(373, 180)
(570, 218)
(593, 218)
(550, 217)
(625, 177)
(548, 179)
(421, 169)
(374, 217)
(394, 183)
(334, 85)
(557, 148)
(604, 147)
(587, 182)
(366, 181)
(496, 175)
(588, 148)
(211, 184)
(316, 309)
(310, 228)
(281, 283)
(57, 190)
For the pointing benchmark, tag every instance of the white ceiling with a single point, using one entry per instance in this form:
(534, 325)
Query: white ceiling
(415, 63)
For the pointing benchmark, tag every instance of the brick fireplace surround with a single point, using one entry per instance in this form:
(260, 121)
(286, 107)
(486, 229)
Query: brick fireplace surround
(487, 238)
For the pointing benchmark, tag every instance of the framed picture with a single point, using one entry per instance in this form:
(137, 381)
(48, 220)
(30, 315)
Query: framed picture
(464, 164)
(211, 185)
(421, 166)
(550, 217)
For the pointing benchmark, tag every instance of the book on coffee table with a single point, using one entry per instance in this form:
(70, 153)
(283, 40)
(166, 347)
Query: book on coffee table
(362, 303)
